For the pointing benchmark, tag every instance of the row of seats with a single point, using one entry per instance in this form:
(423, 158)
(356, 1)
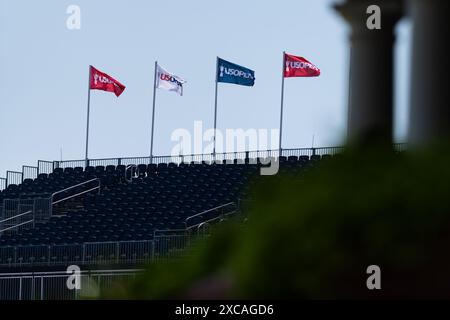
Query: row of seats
(159, 197)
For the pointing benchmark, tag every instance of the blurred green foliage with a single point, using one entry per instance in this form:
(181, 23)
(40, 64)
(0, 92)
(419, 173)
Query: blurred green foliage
(313, 235)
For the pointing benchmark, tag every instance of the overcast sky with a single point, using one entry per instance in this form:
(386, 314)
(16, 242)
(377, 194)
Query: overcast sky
(44, 74)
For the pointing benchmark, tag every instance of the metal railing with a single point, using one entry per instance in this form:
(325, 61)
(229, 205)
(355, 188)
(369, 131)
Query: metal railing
(2, 184)
(13, 177)
(17, 214)
(210, 215)
(165, 244)
(96, 253)
(39, 209)
(48, 167)
(131, 171)
(77, 192)
(29, 172)
(89, 253)
(198, 158)
(53, 285)
(45, 166)
(17, 221)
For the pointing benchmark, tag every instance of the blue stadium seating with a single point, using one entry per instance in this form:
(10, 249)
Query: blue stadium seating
(159, 197)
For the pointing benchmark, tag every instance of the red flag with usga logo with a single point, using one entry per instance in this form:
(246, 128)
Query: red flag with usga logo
(102, 81)
(299, 67)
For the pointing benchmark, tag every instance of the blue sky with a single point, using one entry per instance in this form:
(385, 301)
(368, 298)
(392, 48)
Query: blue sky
(44, 71)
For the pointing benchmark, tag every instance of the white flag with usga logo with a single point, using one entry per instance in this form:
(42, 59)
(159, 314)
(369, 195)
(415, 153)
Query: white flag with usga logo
(167, 81)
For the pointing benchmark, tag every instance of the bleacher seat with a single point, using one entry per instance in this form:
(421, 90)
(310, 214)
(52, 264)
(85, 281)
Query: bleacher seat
(161, 197)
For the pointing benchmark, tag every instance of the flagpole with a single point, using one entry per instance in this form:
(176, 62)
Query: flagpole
(88, 109)
(215, 109)
(282, 102)
(153, 112)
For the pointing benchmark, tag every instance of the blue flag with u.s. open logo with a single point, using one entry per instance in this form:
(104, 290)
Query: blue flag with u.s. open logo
(232, 73)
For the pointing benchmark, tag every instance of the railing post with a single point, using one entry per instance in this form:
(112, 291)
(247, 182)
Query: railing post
(42, 288)
(49, 255)
(20, 288)
(32, 288)
(83, 255)
(153, 250)
(119, 161)
(117, 252)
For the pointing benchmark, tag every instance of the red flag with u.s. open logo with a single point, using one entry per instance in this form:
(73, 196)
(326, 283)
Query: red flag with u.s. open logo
(299, 67)
(102, 81)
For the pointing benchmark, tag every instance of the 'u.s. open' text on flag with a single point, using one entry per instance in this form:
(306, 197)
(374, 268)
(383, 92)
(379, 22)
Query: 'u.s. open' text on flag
(233, 73)
(295, 66)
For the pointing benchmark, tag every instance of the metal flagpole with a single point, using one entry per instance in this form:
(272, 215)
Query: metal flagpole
(88, 109)
(215, 108)
(153, 112)
(282, 101)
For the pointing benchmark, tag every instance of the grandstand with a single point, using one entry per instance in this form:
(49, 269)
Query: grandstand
(123, 211)
(112, 213)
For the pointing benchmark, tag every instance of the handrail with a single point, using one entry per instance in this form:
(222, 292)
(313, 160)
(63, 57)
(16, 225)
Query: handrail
(19, 215)
(73, 195)
(204, 223)
(45, 273)
(131, 172)
(210, 154)
(170, 230)
(77, 185)
(76, 195)
(210, 220)
(206, 211)
(17, 225)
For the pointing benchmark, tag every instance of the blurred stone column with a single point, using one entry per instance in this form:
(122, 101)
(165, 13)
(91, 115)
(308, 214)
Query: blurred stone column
(429, 95)
(370, 109)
